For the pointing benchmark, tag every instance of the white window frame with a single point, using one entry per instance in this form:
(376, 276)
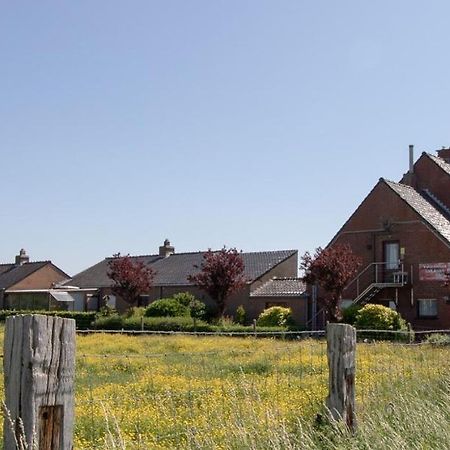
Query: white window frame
(432, 304)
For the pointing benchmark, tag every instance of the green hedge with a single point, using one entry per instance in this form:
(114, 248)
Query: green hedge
(83, 320)
(166, 307)
(275, 316)
(116, 322)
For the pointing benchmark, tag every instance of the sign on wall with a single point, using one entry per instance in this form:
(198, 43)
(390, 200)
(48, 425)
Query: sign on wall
(434, 271)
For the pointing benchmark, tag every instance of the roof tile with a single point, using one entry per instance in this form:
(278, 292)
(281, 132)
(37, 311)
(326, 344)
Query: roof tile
(427, 211)
(175, 269)
(440, 162)
(281, 287)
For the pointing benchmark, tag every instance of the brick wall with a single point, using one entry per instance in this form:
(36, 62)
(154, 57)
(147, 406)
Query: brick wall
(428, 175)
(383, 216)
(42, 278)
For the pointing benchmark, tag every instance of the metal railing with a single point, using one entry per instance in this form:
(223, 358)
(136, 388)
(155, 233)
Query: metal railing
(382, 273)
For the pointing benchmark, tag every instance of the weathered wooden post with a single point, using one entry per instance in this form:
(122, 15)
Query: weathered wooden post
(39, 368)
(341, 349)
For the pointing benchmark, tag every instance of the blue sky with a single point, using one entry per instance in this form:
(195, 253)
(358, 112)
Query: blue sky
(255, 124)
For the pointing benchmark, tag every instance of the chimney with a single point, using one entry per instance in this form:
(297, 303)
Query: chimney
(22, 257)
(411, 159)
(444, 154)
(166, 249)
(409, 178)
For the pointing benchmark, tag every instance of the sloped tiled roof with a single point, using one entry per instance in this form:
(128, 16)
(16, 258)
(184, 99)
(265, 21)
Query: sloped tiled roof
(427, 211)
(175, 269)
(280, 287)
(13, 274)
(5, 267)
(96, 276)
(440, 162)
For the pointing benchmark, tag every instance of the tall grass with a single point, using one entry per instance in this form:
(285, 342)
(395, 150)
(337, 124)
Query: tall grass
(184, 392)
(203, 393)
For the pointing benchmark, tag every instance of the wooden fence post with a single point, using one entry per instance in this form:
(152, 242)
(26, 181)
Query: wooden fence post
(39, 369)
(341, 350)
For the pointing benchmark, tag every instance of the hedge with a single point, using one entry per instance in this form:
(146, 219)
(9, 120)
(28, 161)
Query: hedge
(275, 316)
(186, 324)
(166, 307)
(83, 320)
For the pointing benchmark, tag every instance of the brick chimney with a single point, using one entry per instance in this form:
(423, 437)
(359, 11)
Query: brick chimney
(444, 153)
(22, 257)
(166, 249)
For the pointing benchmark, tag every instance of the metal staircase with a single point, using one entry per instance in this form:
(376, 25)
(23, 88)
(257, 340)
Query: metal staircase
(374, 278)
(368, 283)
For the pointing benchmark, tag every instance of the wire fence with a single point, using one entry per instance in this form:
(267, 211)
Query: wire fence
(186, 390)
(409, 336)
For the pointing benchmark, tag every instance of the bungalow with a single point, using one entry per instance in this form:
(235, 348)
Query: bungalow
(28, 285)
(272, 280)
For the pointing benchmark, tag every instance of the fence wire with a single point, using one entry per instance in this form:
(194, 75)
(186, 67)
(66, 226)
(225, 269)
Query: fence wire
(183, 391)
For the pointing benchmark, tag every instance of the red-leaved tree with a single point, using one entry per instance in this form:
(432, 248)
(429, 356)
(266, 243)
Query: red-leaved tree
(130, 278)
(331, 269)
(221, 274)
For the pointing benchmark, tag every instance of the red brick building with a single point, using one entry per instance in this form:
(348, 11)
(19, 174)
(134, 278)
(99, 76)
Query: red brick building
(402, 233)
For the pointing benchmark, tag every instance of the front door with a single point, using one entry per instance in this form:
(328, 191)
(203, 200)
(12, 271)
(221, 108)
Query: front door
(391, 251)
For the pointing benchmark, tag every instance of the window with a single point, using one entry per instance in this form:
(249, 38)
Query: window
(391, 255)
(427, 308)
(110, 300)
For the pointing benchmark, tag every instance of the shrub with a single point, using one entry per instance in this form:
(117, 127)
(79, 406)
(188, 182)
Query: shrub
(106, 311)
(112, 322)
(379, 317)
(349, 313)
(223, 322)
(197, 309)
(276, 316)
(241, 316)
(438, 339)
(166, 307)
(168, 324)
(136, 311)
(185, 298)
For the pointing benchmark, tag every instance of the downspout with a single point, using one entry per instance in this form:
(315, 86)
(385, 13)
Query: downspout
(314, 307)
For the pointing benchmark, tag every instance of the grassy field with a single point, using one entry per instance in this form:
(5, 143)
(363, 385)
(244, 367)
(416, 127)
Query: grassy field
(182, 392)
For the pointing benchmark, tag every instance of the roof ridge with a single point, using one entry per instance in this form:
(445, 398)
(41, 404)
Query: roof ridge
(440, 228)
(37, 262)
(133, 256)
(204, 251)
(442, 163)
(397, 183)
(29, 262)
(287, 278)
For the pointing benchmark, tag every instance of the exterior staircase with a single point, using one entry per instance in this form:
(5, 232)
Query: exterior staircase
(372, 280)
(368, 283)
